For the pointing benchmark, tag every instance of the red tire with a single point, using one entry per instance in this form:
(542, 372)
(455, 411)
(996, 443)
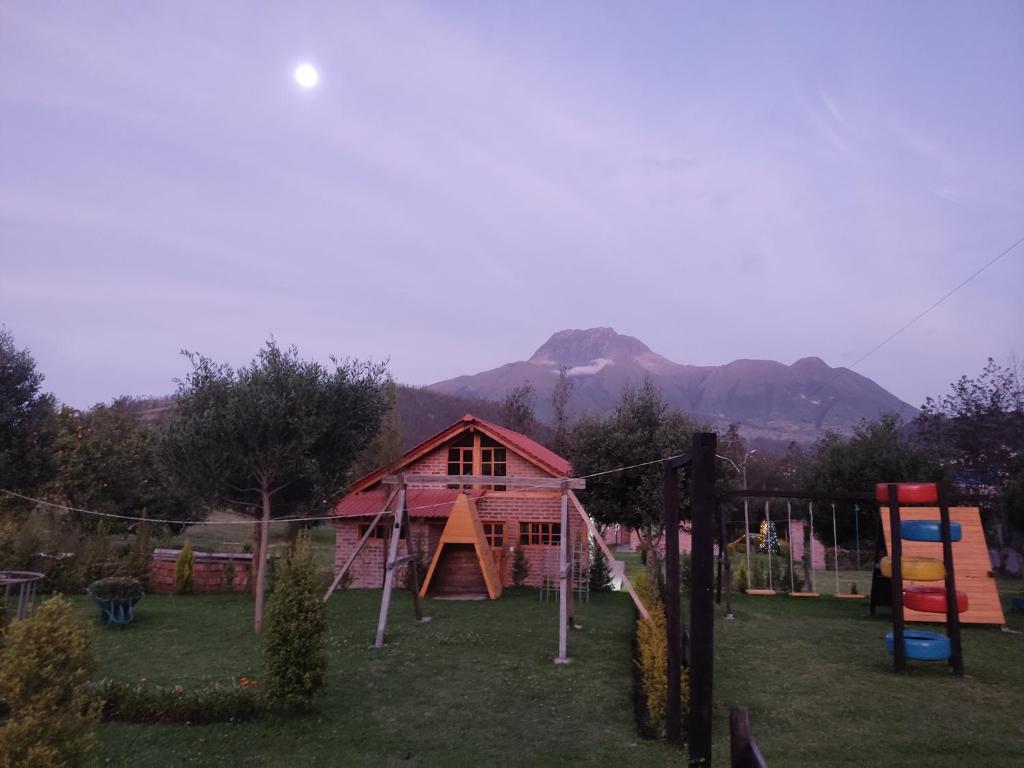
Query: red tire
(909, 493)
(931, 599)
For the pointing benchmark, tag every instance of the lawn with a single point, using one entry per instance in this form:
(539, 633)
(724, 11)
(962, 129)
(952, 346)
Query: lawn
(476, 686)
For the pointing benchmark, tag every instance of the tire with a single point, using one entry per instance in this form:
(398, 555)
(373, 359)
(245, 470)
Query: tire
(909, 493)
(921, 645)
(932, 599)
(916, 568)
(928, 530)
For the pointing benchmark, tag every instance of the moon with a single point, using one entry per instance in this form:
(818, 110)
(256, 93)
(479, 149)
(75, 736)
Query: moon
(306, 75)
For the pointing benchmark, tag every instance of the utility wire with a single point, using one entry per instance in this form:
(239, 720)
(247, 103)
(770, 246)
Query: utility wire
(111, 515)
(917, 317)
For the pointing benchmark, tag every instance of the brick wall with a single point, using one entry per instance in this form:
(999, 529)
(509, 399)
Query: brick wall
(209, 571)
(509, 508)
(368, 569)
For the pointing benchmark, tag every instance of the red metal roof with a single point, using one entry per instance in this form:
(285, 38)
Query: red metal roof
(529, 449)
(419, 502)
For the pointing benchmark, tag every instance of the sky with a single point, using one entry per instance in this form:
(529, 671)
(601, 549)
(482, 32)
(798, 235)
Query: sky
(722, 181)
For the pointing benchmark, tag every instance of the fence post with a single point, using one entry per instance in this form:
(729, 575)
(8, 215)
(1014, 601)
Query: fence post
(702, 599)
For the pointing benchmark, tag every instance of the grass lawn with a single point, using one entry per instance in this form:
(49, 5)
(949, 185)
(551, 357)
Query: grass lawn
(821, 691)
(476, 686)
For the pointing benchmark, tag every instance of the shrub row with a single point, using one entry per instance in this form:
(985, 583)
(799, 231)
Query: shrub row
(142, 703)
(651, 663)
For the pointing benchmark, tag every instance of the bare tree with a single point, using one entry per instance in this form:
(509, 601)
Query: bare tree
(560, 397)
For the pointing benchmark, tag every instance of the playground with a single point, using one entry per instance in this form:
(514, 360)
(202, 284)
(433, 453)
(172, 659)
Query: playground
(818, 684)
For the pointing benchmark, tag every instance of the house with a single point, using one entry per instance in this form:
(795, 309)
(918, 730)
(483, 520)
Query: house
(511, 518)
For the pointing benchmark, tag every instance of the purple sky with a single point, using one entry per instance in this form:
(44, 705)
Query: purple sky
(721, 181)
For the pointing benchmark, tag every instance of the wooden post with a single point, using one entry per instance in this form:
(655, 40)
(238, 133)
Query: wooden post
(743, 750)
(899, 655)
(414, 579)
(359, 547)
(670, 518)
(723, 553)
(956, 658)
(596, 534)
(702, 608)
(563, 573)
(389, 578)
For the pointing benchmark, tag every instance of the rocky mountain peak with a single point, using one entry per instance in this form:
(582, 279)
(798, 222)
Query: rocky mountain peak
(588, 347)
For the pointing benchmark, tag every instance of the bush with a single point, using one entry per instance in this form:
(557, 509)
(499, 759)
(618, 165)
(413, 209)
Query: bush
(140, 703)
(116, 588)
(600, 572)
(296, 660)
(520, 567)
(45, 717)
(183, 570)
(652, 652)
(741, 580)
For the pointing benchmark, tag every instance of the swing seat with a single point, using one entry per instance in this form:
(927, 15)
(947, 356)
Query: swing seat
(761, 592)
(805, 594)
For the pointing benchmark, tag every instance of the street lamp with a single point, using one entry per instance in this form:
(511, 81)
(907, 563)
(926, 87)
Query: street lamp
(742, 471)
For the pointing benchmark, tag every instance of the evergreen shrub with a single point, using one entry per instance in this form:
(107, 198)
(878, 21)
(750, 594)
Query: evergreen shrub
(295, 653)
(46, 718)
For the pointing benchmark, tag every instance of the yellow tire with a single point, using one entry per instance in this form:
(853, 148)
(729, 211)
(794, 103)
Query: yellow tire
(917, 568)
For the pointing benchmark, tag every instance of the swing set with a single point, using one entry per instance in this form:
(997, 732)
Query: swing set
(464, 529)
(807, 542)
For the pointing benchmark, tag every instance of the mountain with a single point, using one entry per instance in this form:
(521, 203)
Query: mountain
(768, 399)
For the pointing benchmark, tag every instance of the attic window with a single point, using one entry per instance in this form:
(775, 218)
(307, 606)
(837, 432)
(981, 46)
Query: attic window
(460, 461)
(494, 463)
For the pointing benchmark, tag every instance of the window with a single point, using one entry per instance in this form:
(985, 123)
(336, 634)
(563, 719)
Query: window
(495, 534)
(545, 534)
(493, 463)
(379, 531)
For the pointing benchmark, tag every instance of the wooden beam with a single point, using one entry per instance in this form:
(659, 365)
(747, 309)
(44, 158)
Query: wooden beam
(702, 603)
(359, 547)
(507, 481)
(608, 553)
(389, 580)
(563, 577)
(670, 519)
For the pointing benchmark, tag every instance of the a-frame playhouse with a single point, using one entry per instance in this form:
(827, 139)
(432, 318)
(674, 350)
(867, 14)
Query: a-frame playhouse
(462, 562)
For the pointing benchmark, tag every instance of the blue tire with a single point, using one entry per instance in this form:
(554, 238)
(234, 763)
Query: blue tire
(921, 645)
(927, 530)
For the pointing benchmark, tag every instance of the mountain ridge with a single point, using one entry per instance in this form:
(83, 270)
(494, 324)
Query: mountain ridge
(767, 398)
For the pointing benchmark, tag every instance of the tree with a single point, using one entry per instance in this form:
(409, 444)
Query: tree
(517, 408)
(27, 420)
(108, 462)
(387, 445)
(876, 452)
(560, 396)
(280, 432)
(979, 429)
(641, 429)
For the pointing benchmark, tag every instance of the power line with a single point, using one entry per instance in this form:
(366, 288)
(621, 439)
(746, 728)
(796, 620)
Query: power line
(315, 518)
(973, 275)
(913, 320)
